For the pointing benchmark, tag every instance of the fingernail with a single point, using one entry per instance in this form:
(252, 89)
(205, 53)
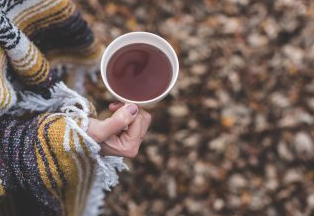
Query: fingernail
(132, 109)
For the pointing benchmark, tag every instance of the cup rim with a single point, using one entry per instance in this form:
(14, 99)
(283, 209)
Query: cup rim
(174, 73)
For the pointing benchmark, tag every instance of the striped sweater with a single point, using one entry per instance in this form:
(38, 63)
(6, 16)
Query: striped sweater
(48, 164)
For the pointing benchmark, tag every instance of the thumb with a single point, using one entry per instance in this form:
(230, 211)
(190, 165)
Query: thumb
(119, 120)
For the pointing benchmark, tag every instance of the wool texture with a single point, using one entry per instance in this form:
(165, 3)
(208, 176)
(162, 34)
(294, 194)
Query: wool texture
(48, 164)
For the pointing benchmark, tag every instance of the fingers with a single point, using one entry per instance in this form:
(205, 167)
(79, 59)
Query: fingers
(146, 121)
(120, 119)
(129, 142)
(140, 125)
(115, 106)
(133, 137)
(114, 147)
(134, 131)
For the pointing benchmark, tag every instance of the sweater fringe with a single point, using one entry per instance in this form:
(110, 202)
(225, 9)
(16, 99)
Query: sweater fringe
(67, 101)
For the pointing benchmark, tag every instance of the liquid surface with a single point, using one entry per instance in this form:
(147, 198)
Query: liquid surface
(139, 72)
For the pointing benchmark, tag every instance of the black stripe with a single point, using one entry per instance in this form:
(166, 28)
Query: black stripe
(31, 168)
(8, 27)
(8, 36)
(59, 170)
(43, 87)
(42, 75)
(5, 169)
(3, 3)
(19, 161)
(37, 72)
(45, 160)
(15, 3)
(33, 182)
(9, 3)
(14, 153)
(71, 33)
(15, 42)
(37, 22)
(14, 140)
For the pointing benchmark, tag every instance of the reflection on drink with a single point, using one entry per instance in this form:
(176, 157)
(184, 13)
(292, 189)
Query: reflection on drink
(139, 72)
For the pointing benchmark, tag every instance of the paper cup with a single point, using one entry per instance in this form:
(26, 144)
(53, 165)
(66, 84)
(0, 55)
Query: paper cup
(140, 37)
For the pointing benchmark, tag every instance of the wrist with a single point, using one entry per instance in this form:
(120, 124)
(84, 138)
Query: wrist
(92, 129)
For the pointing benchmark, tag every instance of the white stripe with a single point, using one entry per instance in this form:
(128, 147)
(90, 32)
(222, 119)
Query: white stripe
(42, 8)
(18, 9)
(31, 53)
(20, 49)
(105, 173)
(34, 57)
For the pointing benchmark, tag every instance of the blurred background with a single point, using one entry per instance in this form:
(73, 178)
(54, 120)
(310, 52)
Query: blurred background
(235, 137)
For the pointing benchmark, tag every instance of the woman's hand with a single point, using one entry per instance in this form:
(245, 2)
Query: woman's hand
(110, 133)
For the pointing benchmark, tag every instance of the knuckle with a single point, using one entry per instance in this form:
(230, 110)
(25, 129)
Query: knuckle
(147, 116)
(140, 117)
(122, 121)
(148, 119)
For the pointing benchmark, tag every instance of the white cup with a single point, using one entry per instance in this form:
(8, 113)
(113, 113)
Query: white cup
(140, 37)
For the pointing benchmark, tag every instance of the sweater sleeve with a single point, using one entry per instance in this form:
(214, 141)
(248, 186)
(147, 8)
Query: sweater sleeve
(28, 62)
(51, 157)
(47, 158)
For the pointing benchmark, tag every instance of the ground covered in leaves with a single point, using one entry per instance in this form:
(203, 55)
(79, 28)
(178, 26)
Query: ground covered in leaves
(235, 137)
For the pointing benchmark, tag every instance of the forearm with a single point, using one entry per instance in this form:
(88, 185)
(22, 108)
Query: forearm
(44, 156)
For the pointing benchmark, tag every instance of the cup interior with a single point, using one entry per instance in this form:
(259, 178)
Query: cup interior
(140, 37)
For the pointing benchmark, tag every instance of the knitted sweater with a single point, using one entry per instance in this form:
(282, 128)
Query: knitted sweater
(48, 164)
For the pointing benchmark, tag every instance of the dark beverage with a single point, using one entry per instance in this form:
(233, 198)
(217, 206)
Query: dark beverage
(139, 72)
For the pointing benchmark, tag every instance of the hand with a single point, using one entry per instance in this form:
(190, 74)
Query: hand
(111, 134)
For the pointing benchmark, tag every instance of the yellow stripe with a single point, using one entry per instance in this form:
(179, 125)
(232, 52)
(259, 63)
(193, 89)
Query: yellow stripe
(34, 69)
(52, 167)
(52, 20)
(2, 79)
(41, 166)
(29, 61)
(46, 70)
(86, 177)
(4, 85)
(92, 163)
(65, 161)
(9, 100)
(2, 191)
(28, 73)
(25, 23)
(31, 10)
